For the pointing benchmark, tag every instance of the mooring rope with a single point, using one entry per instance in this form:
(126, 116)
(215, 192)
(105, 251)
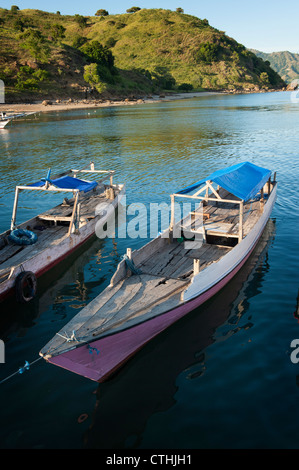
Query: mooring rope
(21, 370)
(69, 338)
(131, 265)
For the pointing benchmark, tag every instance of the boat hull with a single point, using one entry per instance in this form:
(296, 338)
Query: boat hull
(102, 357)
(3, 124)
(49, 258)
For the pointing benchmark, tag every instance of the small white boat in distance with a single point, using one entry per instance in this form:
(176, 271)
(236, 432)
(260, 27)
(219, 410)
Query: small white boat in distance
(5, 119)
(168, 277)
(29, 249)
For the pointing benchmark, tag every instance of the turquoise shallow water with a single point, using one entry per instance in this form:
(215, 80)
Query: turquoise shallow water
(220, 378)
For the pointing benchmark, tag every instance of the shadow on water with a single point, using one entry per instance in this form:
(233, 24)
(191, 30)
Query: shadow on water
(65, 283)
(147, 383)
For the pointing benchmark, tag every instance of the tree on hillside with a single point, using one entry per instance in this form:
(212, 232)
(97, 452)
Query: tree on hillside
(162, 78)
(18, 25)
(102, 13)
(78, 41)
(133, 9)
(28, 78)
(57, 32)
(98, 53)
(81, 20)
(185, 87)
(264, 78)
(35, 43)
(92, 76)
(207, 52)
(179, 10)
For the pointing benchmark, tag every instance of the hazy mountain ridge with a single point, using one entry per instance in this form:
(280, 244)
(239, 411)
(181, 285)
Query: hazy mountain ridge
(285, 63)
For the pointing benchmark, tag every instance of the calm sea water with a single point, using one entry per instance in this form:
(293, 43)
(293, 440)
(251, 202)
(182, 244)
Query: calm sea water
(220, 378)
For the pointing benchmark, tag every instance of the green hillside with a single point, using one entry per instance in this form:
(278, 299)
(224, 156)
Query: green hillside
(48, 55)
(285, 63)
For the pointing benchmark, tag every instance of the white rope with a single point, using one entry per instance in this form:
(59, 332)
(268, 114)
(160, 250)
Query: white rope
(69, 338)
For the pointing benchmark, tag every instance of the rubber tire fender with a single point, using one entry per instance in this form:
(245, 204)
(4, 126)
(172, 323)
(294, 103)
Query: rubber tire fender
(25, 280)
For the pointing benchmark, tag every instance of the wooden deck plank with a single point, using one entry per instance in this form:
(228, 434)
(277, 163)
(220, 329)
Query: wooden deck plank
(62, 210)
(8, 251)
(182, 268)
(175, 263)
(137, 294)
(213, 252)
(91, 309)
(44, 238)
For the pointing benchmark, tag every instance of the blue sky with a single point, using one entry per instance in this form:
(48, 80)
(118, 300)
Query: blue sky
(260, 24)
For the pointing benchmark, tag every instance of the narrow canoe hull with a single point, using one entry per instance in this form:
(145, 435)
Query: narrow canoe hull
(3, 124)
(50, 257)
(100, 358)
(5, 120)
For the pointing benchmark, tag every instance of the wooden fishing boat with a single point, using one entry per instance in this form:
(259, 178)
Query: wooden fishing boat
(168, 277)
(29, 249)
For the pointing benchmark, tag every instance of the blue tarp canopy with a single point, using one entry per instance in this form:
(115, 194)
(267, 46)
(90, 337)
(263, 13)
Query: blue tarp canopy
(68, 182)
(244, 180)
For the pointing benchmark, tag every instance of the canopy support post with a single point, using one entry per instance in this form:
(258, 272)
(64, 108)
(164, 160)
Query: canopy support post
(171, 219)
(262, 200)
(74, 213)
(196, 264)
(241, 221)
(14, 211)
(269, 186)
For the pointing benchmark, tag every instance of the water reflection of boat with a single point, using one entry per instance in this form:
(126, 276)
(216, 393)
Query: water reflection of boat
(166, 279)
(30, 249)
(148, 381)
(71, 284)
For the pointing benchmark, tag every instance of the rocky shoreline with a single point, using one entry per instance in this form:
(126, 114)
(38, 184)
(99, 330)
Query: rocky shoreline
(71, 104)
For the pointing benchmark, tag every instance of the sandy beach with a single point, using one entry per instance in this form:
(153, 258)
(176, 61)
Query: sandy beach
(68, 105)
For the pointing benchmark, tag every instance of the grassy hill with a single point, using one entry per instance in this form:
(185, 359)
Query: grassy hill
(48, 55)
(285, 63)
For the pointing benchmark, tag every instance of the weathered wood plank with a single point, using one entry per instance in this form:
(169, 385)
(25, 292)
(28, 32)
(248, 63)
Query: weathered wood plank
(213, 251)
(181, 268)
(58, 211)
(8, 251)
(149, 290)
(44, 239)
(85, 315)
